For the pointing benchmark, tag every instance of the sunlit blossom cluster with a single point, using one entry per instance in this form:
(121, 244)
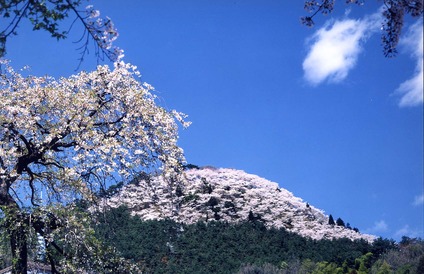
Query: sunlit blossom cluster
(71, 136)
(104, 33)
(228, 195)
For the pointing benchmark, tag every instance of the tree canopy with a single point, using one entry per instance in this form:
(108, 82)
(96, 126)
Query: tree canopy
(66, 139)
(166, 246)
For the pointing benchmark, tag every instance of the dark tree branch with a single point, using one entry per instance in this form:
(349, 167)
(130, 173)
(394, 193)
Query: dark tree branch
(58, 146)
(111, 122)
(18, 200)
(44, 163)
(91, 33)
(43, 130)
(18, 17)
(325, 7)
(51, 260)
(31, 185)
(2, 164)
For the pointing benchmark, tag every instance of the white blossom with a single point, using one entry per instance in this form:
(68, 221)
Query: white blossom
(84, 126)
(236, 194)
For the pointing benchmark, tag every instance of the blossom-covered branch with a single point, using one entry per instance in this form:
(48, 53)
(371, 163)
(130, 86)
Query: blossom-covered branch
(46, 15)
(68, 138)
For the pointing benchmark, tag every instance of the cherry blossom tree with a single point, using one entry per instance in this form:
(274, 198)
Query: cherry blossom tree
(47, 14)
(393, 14)
(67, 139)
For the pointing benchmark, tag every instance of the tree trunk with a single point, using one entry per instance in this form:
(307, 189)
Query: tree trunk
(17, 223)
(18, 242)
(16, 226)
(19, 250)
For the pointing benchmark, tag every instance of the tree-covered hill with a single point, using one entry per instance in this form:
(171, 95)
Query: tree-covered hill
(227, 195)
(228, 221)
(165, 246)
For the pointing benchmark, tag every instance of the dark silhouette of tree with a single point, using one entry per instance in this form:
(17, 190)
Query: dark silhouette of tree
(331, 220)
(190, 166)
(340, 222)
(393, 13)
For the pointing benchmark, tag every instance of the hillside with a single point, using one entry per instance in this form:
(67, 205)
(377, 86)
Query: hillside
(227, 195)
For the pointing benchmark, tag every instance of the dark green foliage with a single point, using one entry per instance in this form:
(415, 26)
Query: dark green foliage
(190, 197)
(420, 267)
(404, 258)
(136, 240)
(254, 218)
(179, 191)
(254, 269)
(405, 241)
(229, 204)
(331, 220)
(381, 246)
(219, 247)
(206, 187)
(340, 222)
(112, 190)
(190, 166)
(213, 201)
(142, 176)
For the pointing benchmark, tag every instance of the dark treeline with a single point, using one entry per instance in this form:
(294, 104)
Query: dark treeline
(218, 247)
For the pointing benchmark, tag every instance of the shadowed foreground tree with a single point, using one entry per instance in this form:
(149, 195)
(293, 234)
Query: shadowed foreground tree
(393, 14)
(68, 139)
(47, 14)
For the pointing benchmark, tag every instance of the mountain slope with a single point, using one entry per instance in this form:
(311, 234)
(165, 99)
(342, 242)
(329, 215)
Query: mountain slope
(227, 195)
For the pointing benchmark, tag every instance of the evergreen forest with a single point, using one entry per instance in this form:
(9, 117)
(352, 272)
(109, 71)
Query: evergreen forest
(217, 247)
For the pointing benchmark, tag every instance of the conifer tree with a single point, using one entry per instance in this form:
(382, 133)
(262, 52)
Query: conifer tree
(340, 222)
(331, 220)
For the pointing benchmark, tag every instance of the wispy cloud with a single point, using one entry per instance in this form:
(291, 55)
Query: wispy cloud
(335, 49)
(419, 200)
(379, 226)
(412, 89)
(407, 231)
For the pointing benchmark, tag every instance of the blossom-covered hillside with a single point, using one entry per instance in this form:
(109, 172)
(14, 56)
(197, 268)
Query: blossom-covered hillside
(227, 195)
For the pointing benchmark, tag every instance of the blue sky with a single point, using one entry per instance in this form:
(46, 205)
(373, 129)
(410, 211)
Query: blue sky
(318, 110)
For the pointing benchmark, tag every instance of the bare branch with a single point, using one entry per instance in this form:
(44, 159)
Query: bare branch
(18, 17)
(31, 185)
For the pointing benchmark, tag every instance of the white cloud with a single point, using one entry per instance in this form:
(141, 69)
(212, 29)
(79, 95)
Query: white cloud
(335, 49)
(419, 200)
(412, 89)
(379, 226)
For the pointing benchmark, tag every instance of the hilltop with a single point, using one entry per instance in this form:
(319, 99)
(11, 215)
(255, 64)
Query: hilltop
(228, 195)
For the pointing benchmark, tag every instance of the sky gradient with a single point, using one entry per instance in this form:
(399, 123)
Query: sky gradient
(318, 110)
